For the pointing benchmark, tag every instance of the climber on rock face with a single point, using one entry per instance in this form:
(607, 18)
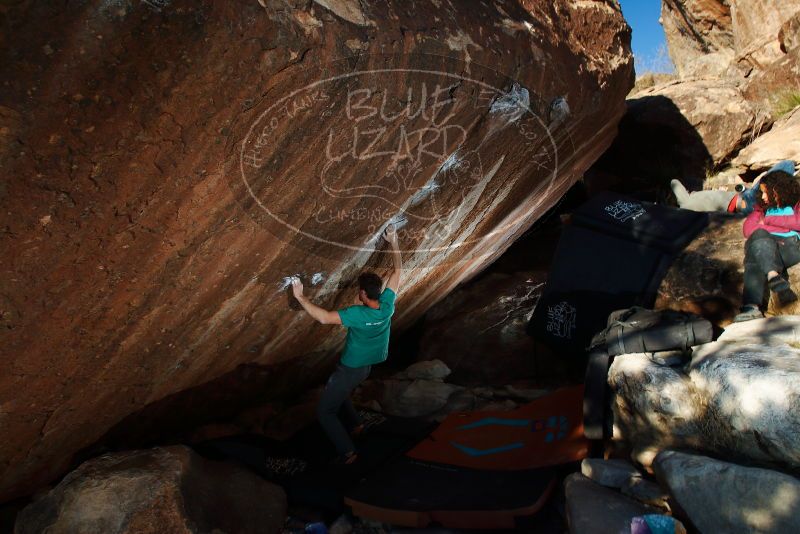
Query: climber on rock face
(367, 343)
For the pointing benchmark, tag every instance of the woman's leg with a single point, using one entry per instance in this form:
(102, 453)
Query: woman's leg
(761, 256)
(789, 248)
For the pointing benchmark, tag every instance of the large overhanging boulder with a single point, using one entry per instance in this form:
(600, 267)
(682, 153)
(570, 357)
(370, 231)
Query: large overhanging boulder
(169, 164)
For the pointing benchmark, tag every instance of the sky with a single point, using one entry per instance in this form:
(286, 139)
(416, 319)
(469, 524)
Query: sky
(649, 43)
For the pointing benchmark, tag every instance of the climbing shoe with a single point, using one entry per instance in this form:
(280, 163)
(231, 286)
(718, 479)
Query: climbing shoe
(748, 313)
(782, 289)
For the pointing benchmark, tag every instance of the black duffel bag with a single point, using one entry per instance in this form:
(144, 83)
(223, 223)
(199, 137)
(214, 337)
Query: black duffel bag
(641, 330)
(633, 330)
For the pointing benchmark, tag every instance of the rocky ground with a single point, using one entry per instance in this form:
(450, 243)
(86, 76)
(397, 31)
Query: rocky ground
(142, 269)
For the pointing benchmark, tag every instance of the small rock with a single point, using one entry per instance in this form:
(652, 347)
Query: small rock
(594, 509)
(402, 398)
(646, 491)
(342, 525)
(724, 497)
(426, 370)
(615, 473)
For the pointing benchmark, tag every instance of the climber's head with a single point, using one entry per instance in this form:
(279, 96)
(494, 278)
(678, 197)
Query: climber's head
(369, 287)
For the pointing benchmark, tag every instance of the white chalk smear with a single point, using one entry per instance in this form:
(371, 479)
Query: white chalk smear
(512, 104)
(317, 278)
(452, 162)
(287, 281)
(424, 192)
(397, 220)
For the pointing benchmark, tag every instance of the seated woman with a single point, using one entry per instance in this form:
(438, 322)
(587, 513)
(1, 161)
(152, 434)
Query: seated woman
(773, 244)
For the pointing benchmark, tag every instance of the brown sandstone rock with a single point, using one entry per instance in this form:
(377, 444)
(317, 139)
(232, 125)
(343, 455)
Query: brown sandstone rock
(789, 35)
(699, 34)
(727, 37)
(143, 269)
(706, 278)
(781, 142)
(778, 81)
(153, 491)
(756, 27)
(716, 110)
(681, 129)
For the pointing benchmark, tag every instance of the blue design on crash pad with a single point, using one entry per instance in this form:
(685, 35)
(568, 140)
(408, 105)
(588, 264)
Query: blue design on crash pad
(486, 452)
(489, 421)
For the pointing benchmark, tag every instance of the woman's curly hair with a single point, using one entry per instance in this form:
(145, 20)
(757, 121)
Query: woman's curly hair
(783, 189)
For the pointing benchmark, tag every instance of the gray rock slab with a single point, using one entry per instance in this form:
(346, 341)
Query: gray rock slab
(594, 509)
(724, 497)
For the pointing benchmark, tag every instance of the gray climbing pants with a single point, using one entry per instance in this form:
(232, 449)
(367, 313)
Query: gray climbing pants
(335, 411)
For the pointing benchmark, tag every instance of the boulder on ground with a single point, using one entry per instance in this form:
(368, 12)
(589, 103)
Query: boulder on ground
(739, 397)
(594, 509)
(681, 129)
(706, 277)
(407, 398)
(724, 497)
(780, 143)
(647, 492)
(425, 370)
(615, 473)
(168, 489)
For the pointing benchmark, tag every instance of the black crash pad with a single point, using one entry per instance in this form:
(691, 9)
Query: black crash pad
(304, 465)
(414, 493)
(612, 256)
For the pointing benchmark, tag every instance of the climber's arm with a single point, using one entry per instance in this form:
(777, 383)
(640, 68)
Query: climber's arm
(319, 314)
(394, 277)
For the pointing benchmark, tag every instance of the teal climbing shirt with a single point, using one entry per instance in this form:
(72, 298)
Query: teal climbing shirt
(367, 340)
(782, 211)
